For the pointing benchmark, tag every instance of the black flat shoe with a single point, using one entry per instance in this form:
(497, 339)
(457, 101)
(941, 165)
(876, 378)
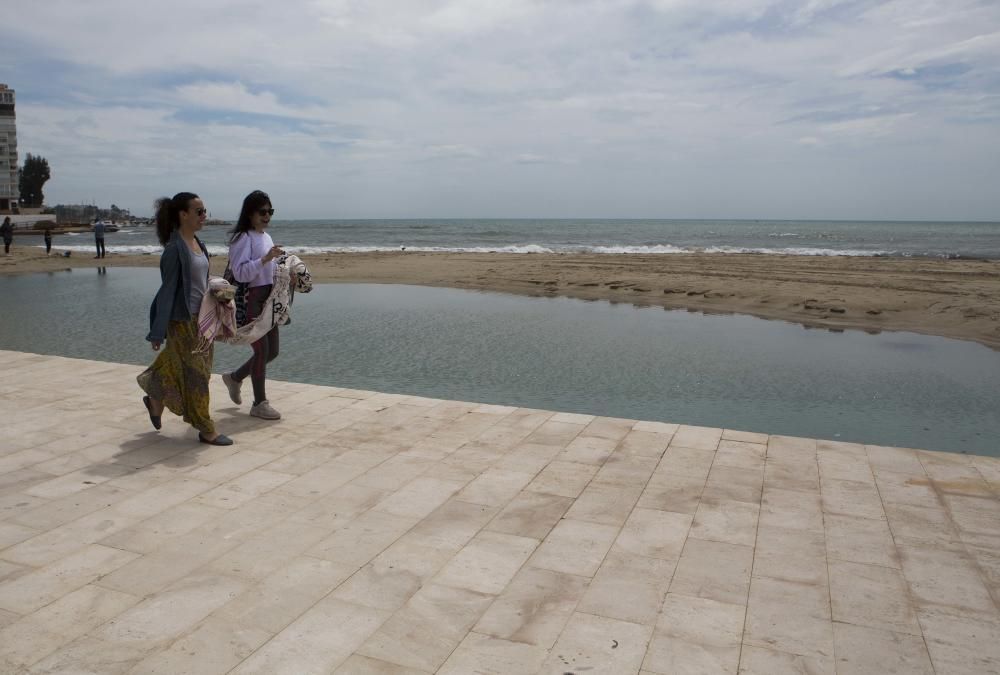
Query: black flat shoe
(155, 419)
(218, 440)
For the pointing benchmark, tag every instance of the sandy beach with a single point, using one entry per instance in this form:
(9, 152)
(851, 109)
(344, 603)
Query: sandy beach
(949, 298)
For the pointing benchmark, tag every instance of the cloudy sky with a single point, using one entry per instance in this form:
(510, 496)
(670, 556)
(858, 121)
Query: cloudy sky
(512, 108)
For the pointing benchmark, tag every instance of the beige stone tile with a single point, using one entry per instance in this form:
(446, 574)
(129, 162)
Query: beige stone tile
(362, 665)
(612, 428)
(39, 634)
(394, 473)
(90, 656)
(239, 491)
(231, 466)
(656, 427)
(677, 493)
(76, 481)
(428, 628)
(487, 563)
(363, 538)
(727, 482)
(572, 418)
(10, 571)
(726, 521)
(606, 504)
(566, 479)
(645, 444)
(916, 523)
(851, 498)
(860, 540)
(654, 534)
(316, 642)
(898, 460)
(534, 607)
(741, 455)
(495, 487)
(51, 545)
(863, 650)
(789, 617)
(696, 635)
(791, 555)
(959, 642)
(215, 646)
(379, 586)
(493, 656)
(282, 596)
(628, 587)
(759, 661)
(682, 461)
(702, 438)
(528, 457)
(554, 433)
(269, 551)
(779, 475)
(974, 515)
(147, 535)
(872, 596)
(453, 524)
(714, 570)
(744, 436)
(12, 533)
(32, 591)
(339, 507)
(588, 450)
(15, 505)
(575, 547)
(901, 488)
(596, 644)
(419, 498)
(944, 577)
(626, 470)
(161, 618)
(785, 447)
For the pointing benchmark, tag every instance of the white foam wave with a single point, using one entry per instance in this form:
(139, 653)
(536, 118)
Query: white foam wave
(661, 249)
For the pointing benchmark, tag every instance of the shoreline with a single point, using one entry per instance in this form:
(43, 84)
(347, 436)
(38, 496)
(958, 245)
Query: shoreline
(948, 298)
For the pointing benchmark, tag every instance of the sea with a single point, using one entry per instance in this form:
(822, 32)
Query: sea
(915, 239)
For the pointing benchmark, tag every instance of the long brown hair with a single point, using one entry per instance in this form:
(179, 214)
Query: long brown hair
(252, 202)
(167, 214)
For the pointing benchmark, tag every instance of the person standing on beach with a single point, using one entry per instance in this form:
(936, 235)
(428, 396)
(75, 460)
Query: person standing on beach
(178, 378)
(48, 240)
(7, 230)
(99, 239)
(252, 256)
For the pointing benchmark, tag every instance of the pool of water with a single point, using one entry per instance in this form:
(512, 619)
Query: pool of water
(739, 372)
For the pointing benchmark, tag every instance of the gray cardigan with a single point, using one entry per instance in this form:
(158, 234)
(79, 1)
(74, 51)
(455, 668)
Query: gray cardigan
(171, 301)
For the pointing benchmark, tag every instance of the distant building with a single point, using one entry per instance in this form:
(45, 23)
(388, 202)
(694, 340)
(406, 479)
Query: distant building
(8, 151)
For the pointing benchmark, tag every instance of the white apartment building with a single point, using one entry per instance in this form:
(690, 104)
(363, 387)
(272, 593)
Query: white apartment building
(8, 151)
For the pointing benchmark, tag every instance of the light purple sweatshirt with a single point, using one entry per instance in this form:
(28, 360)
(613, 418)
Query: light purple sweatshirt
(245, 256)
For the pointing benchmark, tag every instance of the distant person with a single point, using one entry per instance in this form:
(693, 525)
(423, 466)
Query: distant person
(7, 230)
(48, 240)
(252, 256)
(99, 238)
(178, 378)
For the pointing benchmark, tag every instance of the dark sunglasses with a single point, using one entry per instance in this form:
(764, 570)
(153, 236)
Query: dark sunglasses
(265, 212)
(201, 212)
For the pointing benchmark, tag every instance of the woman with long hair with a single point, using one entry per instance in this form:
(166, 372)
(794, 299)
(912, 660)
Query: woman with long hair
(252, 256)
(178, 378)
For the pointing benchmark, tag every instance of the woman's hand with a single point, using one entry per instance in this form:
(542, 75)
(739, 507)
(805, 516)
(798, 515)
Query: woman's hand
(272, 254)
(156, 345)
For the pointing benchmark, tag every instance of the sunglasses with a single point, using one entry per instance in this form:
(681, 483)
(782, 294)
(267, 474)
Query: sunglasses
(265, 212)
(201, 212)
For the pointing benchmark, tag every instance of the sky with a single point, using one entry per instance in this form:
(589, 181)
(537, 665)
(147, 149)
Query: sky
(818, 109)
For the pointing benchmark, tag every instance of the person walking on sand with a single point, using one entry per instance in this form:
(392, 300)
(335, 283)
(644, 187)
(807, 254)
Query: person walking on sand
(178, 378)
(7, 231)
(48, 240)
(99, 239)
(252, 256)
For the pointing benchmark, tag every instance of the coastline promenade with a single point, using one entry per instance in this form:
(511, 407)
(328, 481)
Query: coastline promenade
(373, 533)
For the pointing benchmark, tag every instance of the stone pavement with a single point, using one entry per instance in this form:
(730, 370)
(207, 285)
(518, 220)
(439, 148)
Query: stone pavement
(376, 533)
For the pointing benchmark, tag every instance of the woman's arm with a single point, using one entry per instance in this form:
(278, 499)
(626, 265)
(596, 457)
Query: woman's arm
(163, 303)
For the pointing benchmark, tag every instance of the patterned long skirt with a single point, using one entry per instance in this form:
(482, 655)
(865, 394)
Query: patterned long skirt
(180, 378)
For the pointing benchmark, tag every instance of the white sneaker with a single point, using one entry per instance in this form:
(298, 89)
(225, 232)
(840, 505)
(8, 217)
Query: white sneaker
(264, 411)
(234, 388)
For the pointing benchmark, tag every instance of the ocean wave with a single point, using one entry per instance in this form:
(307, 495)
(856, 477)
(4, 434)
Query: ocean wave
(660, 249)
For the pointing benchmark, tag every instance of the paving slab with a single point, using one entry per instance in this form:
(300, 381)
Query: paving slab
(376, 532)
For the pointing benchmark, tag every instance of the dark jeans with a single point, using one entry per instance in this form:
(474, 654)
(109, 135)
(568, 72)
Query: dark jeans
(6, 245)
(48, 245)
(265, 349)
(99, 243)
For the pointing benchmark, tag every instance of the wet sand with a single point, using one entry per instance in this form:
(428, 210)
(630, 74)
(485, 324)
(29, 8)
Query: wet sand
(950, 298)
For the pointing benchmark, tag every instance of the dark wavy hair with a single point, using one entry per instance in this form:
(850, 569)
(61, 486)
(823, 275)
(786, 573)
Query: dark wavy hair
(167, 210)
(253, 201)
